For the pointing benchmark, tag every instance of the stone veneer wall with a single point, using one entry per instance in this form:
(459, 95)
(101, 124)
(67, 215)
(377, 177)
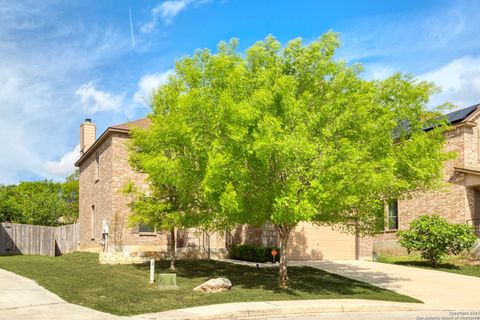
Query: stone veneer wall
(137, 257)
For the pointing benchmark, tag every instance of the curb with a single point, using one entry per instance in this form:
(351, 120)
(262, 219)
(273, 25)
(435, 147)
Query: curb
(279, 308)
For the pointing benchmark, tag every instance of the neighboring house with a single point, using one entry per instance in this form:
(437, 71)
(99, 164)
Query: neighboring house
(459, 202)
(104, 170)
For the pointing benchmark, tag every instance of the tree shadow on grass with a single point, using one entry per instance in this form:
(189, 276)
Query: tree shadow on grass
(303, 280)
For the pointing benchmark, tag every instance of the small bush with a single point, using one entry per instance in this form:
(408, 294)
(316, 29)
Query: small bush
(247, 252)
(435, 238)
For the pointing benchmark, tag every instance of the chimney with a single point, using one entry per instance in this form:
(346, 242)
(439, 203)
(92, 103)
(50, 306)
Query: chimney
(88, 135)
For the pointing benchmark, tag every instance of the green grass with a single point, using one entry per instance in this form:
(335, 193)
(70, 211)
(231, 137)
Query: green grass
(124, 290)
(455, 264)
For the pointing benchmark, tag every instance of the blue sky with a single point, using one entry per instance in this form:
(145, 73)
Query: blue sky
(64, 61)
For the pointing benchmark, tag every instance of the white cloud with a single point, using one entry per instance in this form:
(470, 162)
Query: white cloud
(44, 58)
(459, 80)
(64, 166)
(435, 44)
(94, 100)
(148, 84)
(415, 40)
(377, 71)
(167, 11)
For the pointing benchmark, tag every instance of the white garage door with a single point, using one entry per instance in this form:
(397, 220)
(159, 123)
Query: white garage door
(310, 242)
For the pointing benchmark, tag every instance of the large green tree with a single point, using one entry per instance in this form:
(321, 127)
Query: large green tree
(288, 134)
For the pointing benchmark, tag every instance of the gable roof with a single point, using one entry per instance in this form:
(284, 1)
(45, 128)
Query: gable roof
(142, 123)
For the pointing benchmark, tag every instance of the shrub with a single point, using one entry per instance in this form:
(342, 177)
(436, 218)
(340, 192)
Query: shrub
(247, 252)
(435, 238)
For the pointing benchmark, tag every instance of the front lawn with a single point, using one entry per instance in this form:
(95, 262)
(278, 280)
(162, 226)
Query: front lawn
(124, 289)
(452, 264)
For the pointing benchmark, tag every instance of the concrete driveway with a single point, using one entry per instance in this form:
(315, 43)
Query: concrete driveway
(22, 298)
(437, 289)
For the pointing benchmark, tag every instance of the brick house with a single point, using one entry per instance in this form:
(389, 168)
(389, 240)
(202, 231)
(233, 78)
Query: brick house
(459, 201)
(104, 170)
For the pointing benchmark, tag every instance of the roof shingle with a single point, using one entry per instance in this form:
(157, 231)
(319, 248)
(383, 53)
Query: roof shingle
(462, 114)
(143, 123)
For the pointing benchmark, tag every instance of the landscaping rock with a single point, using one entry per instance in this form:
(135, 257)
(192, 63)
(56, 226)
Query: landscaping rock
(214, 285)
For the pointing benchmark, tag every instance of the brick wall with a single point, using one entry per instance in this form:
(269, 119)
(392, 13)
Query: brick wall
(123, 173)
(111, 204)
(455, 202)
(95, 192)
(364, 248)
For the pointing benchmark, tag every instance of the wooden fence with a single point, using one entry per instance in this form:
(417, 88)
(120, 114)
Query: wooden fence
(38, 240)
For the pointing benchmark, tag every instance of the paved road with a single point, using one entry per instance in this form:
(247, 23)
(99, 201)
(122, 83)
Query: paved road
(437, 289)
(396, 315)
(22, 298)
(291, 308)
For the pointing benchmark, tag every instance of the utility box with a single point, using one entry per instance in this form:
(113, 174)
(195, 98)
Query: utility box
(167, 281)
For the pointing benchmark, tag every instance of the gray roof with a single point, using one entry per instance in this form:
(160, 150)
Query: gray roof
(462, 114)
(453, 118)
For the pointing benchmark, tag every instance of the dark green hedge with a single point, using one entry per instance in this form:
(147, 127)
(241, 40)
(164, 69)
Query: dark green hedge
(247, 252)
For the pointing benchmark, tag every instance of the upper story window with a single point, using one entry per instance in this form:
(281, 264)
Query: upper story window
(97, 166)
(393, 215)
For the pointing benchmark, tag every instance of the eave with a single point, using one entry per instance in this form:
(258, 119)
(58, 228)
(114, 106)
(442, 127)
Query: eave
(472, 175)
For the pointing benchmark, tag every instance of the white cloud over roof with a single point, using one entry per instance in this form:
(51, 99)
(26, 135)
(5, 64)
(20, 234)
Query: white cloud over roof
(94, 100)
(459, 81)
(148, 84)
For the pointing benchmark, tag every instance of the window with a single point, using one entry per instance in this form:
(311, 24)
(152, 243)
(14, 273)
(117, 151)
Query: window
(393, 215)
(145, 229)
(93, 223)
(97, 166)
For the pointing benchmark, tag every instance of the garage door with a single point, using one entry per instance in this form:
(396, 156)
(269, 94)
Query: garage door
(310, 242)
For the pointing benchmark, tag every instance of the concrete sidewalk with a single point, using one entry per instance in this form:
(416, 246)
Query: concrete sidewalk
(282, 308)
(22, 298)
(437, 289)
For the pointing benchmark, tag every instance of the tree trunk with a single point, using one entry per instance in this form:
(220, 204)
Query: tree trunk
(284, 233)
(173, 245)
